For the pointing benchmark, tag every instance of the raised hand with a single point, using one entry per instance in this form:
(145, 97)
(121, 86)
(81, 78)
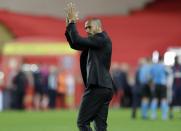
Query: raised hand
(71, 13)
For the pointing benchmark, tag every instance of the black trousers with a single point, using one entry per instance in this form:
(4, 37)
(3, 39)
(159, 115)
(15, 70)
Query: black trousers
(17, 99)
(136, 99)
(52, 96)
(94, 107)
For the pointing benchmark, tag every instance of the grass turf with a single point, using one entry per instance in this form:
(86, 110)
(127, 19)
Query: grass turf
(64, 120)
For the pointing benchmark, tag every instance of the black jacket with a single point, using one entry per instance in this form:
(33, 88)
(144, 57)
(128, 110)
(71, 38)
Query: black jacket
(95, 59)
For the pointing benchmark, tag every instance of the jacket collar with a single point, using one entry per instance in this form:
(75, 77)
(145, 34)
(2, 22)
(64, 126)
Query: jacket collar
(103, 33)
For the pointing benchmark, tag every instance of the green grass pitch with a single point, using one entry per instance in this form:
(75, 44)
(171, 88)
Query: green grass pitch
(64, 120)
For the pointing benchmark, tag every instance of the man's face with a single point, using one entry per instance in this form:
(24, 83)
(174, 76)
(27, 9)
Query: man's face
(91, 28)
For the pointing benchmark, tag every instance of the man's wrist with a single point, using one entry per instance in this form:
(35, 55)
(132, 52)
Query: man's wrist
(71, 21)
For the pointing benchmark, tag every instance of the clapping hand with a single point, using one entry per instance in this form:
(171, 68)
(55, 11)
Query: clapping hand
(71, 13)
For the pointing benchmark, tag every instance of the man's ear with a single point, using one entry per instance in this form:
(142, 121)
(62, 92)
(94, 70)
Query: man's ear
(99, 29)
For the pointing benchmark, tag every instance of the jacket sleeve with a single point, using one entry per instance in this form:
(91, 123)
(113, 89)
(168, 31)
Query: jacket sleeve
(84, 42)
(73, 46)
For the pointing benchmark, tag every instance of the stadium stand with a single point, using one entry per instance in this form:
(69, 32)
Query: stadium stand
(138, 34)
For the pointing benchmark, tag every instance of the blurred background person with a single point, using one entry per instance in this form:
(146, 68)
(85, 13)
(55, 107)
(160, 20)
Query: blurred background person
(145, 80)
(52, 86)
(1, 99)
(125, 97)
(28, 101)
(159, 79)
(136, 91)
(176, 87)
(21, 84)
(9, 91)
(118, 91)
(38, 84)
(1, 91)
(70, 83)
(45, 100)
(61, 90)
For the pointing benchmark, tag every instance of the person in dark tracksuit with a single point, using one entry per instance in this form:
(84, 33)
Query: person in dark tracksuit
(136, 93)
(176, 87)
(21, 84)
(95, 62)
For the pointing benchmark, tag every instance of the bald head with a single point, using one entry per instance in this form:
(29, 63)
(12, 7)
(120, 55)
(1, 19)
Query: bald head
(93, 26)
(97, 21)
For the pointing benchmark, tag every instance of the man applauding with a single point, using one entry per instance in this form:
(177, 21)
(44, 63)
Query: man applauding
(95, 61)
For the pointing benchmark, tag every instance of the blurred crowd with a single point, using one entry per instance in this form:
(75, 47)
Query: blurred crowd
(153, 84)
(147, 86)
(43, 88)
